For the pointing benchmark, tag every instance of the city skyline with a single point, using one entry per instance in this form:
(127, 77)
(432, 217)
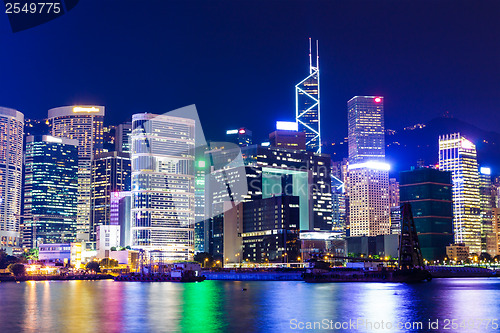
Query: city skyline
(421, 80)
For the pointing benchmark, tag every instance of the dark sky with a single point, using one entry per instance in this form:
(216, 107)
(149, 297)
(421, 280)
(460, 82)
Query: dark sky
(238, 61)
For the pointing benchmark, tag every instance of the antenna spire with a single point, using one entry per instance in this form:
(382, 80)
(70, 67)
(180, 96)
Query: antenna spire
(317, 54)
(310, 56)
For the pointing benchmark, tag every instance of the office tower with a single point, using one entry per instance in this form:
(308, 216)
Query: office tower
(458, 155)
(201, 168)
(429, 191)
(85, 124)
(120, 211)
(109, 138)
(242, 136)
(486, 201)
(123, 140)
(496, 230)
(394, 206)
(366, 129)
(368, 190)
(307, 104)
(111, 172)
(287, 136)
(338, 198)
(11, 171)
(270, 230)
(50, 190)
(163, 184)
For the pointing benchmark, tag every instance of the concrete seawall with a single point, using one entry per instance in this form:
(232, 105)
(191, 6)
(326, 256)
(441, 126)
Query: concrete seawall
(253, 276)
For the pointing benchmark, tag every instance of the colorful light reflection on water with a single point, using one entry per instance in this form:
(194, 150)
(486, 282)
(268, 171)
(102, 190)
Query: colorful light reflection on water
(252, 306)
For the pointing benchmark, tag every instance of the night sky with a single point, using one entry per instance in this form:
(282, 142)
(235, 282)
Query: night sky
(238, 61)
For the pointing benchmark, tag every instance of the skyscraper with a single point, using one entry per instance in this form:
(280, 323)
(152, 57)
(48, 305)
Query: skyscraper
(369, 212)
(366, 129)
(458, 155)
(163, 195)
(50, 190)
(11, 171)
(123, 133)
(85, 124)
(488, 238)
(430, 195)
(307, 104)
(111, 172)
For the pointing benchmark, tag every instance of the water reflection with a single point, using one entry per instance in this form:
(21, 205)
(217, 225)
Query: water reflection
(215, 306)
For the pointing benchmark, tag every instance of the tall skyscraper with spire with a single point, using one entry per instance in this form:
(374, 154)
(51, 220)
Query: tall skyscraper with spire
(307, 105)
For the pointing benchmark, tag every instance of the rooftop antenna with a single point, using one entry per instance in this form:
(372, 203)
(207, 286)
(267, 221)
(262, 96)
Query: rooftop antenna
(317, 54)
(310, 56)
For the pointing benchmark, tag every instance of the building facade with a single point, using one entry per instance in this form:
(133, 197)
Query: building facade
(458, 155)
(111, 172)
(486, 202)
(85, 124)
(307, 104)
(50, 190)
(368, 185)
(123, 137)
(163, 195)
(429, 191)
(11, 171)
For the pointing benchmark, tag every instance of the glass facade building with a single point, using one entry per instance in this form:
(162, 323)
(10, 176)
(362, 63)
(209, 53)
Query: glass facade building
(307, 105)
(458, 155)
(11, 171)
(85, 124)
(429, 191)
(163, 190)
(50, 191)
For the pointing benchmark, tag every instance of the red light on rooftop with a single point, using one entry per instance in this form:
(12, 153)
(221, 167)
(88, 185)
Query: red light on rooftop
(378, 99)
(241, 131)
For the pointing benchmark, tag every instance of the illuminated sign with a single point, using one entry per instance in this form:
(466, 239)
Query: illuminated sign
(370, 165)
(466, 144)
(265, 144)
(232, 132)
(242, 131)
(53, 139)
(287, 126)
(378, 99)
(485, 171)
(87, 109)
(201, 164)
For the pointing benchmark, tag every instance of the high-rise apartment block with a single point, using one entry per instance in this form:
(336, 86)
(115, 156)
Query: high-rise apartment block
(85, 124)
(458, 155)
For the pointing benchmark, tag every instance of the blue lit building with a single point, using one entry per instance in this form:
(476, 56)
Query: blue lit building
(50, 191)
